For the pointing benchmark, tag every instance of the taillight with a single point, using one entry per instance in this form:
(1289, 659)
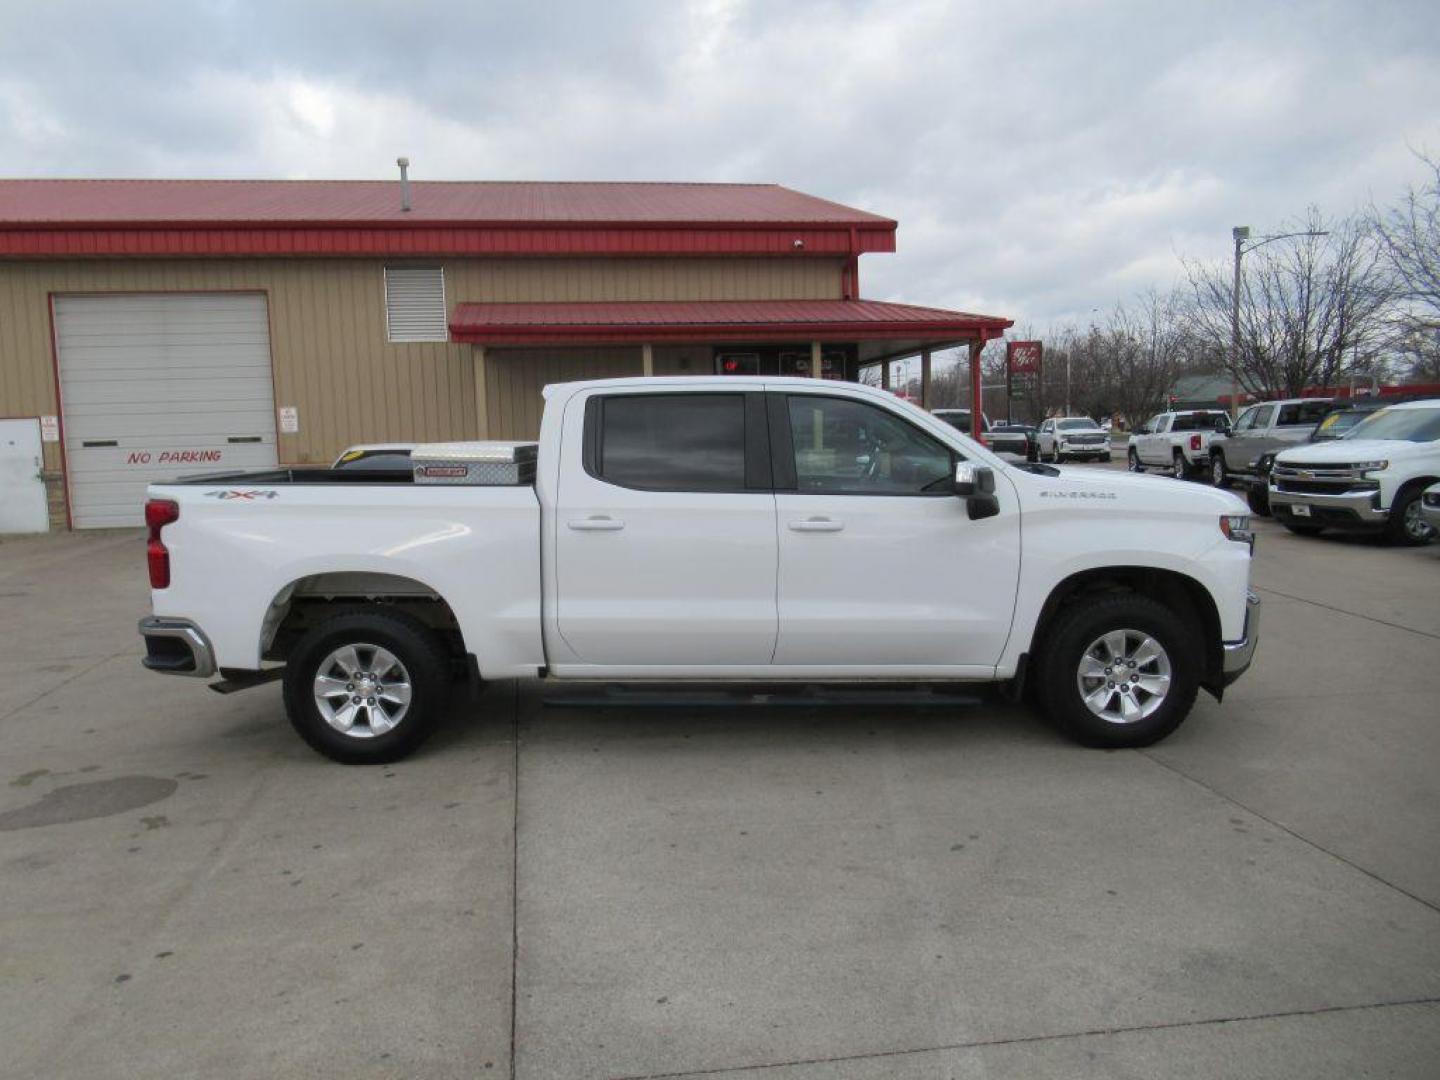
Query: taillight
(158, 514)
(1194, 442)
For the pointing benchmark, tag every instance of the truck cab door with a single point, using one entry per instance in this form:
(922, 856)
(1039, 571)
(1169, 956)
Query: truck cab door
(881, 567)
(1155, 447)
(664, 530)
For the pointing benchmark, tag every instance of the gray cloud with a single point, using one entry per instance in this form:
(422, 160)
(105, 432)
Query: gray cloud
(1043, 159)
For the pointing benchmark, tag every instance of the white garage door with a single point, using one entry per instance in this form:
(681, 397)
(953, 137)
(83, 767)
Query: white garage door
(158, 386)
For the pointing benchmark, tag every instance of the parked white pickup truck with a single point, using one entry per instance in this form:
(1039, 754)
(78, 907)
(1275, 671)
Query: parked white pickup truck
(1372, 479)
(1178, 442)
(738, 529)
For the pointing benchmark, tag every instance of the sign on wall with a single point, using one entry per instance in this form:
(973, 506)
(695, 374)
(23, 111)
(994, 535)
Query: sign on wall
(289, 419)
(49, 429)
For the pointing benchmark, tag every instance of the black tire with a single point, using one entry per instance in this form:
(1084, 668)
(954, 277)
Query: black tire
(1083, 622)
(1218, 476)
(1406, 526)
(414, 645)
(1258, 496)
(1178, 467)
(1300, 528)
(1132, 461)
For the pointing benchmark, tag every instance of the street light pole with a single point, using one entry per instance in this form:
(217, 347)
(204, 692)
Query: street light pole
(1240, 234)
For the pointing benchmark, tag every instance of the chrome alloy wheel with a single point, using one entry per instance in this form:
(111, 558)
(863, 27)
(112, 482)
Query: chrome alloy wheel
(362, 690)
(1124, 676)
(1415, 524)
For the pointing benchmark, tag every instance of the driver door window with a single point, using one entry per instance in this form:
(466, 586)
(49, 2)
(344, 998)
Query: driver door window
(845, 447)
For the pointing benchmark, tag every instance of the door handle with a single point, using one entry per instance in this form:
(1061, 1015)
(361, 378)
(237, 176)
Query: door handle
(596, 523)
(816, 524)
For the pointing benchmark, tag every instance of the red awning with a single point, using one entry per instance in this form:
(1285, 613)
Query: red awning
(709, 321)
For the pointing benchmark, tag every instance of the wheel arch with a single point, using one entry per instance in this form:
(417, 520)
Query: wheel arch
(1184, 595)
(310, 597)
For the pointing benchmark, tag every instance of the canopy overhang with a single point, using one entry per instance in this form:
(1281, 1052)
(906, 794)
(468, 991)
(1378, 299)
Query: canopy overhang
(882, 329)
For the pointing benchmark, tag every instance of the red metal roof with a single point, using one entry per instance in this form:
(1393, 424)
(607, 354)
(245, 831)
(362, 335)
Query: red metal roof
(373, 202)
(220, 218)
(637, 322)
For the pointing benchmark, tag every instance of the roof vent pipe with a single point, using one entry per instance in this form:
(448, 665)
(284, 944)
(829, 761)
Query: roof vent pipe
(404, 164)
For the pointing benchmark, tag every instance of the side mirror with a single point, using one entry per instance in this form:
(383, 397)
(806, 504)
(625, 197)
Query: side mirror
(976, 485)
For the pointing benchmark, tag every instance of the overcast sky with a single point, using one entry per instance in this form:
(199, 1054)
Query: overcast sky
(1044, 159)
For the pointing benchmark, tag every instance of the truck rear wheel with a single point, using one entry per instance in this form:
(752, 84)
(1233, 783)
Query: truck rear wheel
(1119, 670)
(1179, 468)
(366, 687)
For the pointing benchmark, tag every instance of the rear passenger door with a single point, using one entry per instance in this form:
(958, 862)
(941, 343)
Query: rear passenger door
(665, 539)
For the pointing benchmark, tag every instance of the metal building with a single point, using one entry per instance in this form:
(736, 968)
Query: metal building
(150, 329)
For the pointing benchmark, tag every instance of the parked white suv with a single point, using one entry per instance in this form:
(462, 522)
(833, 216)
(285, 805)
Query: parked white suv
(1372, 479)
(719, 529)
(1072, 437)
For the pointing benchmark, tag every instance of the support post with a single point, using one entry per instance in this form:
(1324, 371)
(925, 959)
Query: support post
(817, 361)
(977, 397)
(925, 378)
(478, 370)
(647, 360)
(884, 374)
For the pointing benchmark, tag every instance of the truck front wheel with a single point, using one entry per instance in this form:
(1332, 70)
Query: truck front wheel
(1119, 670)
(1407, 525)
(366, 687)
(1218, 476)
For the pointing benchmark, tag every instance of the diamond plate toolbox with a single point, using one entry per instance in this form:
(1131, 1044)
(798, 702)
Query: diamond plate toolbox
(479, 464)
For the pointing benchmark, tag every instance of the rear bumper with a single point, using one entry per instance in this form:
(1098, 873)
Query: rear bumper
(1236, 656)
(1354, 508)
(176, 647)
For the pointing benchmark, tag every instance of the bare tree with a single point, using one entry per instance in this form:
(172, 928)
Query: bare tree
(1312, 308)
(1409, 239)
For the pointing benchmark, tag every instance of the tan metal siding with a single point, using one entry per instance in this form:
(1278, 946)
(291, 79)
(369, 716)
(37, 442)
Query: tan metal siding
(331, 359)
(517, 376)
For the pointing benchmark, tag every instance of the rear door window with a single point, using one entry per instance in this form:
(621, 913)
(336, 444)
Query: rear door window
(668, 442)
(1303, 413)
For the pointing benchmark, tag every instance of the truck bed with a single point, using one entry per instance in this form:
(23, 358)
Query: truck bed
(303, 474)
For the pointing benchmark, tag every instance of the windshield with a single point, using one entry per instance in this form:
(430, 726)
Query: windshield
(1408, 425)
(1338, 423)
(956, 418)
(1076, 425)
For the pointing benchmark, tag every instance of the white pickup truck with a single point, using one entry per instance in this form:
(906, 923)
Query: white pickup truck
(738, 530)
(1178, 442)
(1372, 479)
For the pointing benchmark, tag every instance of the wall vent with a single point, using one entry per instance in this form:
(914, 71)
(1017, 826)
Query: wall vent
(415, 303)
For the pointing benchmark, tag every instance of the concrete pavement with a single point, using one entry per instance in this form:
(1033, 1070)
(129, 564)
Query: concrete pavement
(186, 889)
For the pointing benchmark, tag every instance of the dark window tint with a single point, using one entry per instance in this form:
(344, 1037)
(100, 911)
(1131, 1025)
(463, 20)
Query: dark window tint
(673, 442)
(1201, 421)
(845, 447)
(1303, 413)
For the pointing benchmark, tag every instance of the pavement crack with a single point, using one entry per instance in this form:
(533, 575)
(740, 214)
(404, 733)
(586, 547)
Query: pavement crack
(1347, 611)
(63, 683)
(1021, 1040)
(1289, 831)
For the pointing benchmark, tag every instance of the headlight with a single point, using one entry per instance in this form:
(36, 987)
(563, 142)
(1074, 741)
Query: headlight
(1372, 466)
(1237, 527)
